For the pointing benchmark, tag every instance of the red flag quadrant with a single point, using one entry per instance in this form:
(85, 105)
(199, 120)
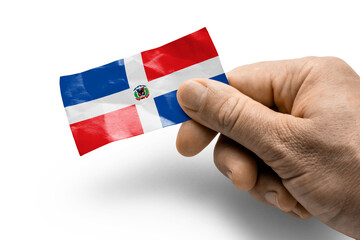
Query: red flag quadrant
(98, 131)
(179, 54)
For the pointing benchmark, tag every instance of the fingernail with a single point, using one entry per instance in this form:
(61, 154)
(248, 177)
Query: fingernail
(271, 197)
(229, 174)
(297, 211)
(190, 94)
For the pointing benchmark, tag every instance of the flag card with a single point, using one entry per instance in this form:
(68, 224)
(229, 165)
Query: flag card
(136, 95)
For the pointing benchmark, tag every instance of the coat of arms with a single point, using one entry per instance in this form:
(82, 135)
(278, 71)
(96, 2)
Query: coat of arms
(141, 92)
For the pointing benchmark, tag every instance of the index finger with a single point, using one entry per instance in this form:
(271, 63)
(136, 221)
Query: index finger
(273, 83)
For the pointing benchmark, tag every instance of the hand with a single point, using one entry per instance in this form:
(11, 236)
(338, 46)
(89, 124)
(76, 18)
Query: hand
(290, 135)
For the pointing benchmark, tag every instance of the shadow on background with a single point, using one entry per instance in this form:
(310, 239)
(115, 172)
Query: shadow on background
(197, 180)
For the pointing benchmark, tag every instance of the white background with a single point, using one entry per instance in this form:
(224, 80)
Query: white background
(139, 188)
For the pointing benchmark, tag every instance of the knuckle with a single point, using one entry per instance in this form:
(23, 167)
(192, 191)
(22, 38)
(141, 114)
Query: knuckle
(331, 59)
(327, 68)
(329, 62)
(229, 112)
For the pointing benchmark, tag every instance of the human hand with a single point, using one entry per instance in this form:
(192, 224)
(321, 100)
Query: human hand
(290, 135)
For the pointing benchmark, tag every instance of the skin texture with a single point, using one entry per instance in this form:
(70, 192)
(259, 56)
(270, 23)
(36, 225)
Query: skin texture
(289, 134)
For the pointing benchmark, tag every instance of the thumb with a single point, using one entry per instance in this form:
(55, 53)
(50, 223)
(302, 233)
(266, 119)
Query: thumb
(225, 109)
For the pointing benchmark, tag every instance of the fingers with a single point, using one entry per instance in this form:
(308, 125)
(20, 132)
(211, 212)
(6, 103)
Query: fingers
(274, 83)
(269, 190)
(236, 163)
(193, 137)
(224, 109)
(300, 211)
(241, 167)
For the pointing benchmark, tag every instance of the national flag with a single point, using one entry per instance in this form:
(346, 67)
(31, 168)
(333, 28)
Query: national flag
(135, 95)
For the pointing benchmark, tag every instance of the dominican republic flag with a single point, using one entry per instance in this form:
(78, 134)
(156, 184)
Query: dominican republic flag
(136, 95)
